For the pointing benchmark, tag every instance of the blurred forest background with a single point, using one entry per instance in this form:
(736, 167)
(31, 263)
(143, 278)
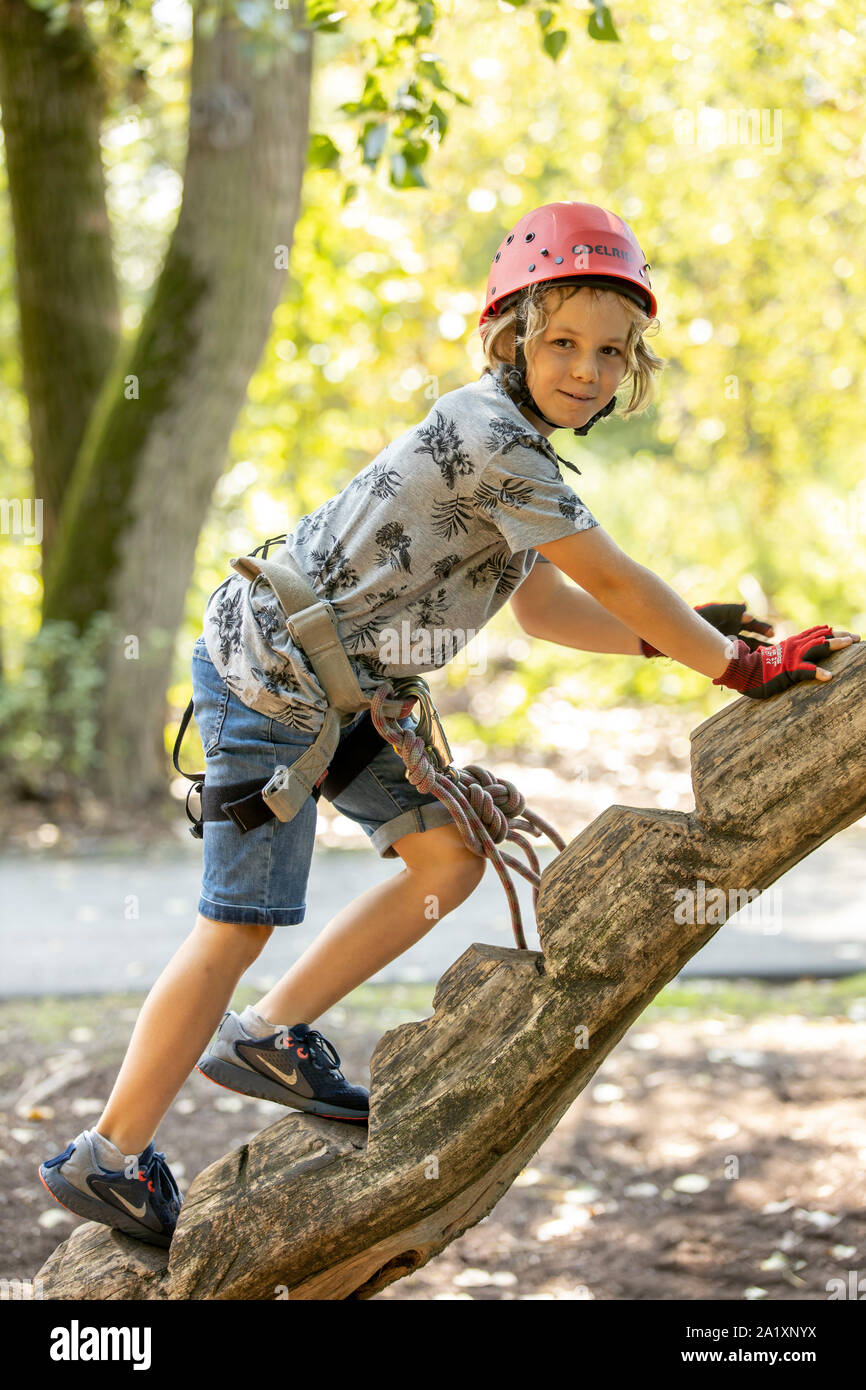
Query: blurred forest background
(730, 137)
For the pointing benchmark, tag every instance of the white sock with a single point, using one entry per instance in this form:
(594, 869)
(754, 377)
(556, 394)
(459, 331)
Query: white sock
(107, 1153)
(255, 1024)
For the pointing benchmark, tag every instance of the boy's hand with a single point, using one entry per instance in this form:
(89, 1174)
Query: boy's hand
(728, 619)
(771, 669)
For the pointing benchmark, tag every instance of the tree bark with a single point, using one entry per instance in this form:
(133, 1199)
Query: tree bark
(157, 441)
(69, 314)
(314, 1209)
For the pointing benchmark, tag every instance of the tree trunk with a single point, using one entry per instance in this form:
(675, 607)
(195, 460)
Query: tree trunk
(158, 440)
(66, 288)
(314, 1209)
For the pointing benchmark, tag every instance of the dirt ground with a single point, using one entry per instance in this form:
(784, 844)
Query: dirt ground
(712, 1157)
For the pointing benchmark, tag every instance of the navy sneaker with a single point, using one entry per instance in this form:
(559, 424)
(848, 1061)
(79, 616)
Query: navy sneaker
(145, 1205)
(293, 1066)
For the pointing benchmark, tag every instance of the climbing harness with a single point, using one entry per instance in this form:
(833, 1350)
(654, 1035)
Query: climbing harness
(485, 808)
(321, 768)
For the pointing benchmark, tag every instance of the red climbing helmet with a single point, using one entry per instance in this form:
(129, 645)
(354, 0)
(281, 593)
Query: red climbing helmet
(573, 242)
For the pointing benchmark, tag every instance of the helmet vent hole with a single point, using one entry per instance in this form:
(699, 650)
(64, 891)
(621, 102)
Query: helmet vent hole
(530, 236)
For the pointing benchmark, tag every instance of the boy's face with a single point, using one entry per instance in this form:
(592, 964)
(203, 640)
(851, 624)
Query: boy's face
(580, 354)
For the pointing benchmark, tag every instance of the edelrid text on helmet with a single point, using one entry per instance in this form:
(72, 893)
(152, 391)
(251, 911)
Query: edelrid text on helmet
(601, 250)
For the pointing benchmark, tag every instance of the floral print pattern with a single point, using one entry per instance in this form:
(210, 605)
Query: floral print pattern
(436, 532)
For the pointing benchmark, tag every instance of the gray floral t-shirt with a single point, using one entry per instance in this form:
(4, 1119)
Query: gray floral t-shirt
(416, 554)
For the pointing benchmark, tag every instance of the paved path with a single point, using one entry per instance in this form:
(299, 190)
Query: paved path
(93, 924)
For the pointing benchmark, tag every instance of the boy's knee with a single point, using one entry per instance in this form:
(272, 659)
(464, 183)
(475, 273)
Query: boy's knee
(441, 852)
(258, 938)
(246, 938)
(467, 868)
(466, 875)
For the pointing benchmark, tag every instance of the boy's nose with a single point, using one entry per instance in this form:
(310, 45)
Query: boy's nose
(584, 363)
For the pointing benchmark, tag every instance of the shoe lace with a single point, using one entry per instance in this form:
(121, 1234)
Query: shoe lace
(159, 1173)
(322, 1053)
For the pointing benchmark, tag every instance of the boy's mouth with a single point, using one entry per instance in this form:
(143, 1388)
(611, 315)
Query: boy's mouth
(578, 398)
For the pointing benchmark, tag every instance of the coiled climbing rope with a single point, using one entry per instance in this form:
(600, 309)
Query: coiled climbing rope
(486, 809)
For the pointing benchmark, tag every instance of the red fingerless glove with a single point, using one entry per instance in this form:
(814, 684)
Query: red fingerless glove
(769, 670)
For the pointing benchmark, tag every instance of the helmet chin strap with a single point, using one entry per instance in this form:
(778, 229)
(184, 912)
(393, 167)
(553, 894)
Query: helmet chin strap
(517, 382)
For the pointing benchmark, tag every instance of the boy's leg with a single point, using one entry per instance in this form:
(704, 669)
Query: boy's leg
(378, 926)
(177, 1020)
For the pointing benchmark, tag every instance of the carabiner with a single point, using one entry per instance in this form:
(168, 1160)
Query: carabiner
(429, 727)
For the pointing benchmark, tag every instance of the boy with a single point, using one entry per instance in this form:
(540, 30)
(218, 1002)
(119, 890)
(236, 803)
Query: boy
(442, 528)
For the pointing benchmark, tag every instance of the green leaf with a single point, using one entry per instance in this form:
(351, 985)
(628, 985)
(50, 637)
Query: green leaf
(414, 123)
(555, 42)
(436, 119)
(416, 151)
(600, 25)
(545, 18)
(431, 72)
(406, 100)
(322, 153)
(426, 20)
(349, 192)
(373, 139)
(371, 99)
(322, 16)
(372, 95)
(331, 25)
(414, 177)
(404, 173)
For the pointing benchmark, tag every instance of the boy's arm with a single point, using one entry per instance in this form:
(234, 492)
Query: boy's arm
(547, 606)
(580, 621)
(644, 605)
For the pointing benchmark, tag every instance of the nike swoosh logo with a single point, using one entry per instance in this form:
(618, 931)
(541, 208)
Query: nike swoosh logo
(133, 1211)
(290, 1077)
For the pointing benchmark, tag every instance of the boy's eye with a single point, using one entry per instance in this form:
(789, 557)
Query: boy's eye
(609, 348)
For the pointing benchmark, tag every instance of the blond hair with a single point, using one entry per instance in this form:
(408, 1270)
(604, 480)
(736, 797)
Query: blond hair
(542, 301)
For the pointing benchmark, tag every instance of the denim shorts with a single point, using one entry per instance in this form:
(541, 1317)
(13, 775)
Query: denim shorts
(261, 876)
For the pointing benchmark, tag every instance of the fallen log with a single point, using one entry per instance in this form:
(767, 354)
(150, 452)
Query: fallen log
(316, 1209)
